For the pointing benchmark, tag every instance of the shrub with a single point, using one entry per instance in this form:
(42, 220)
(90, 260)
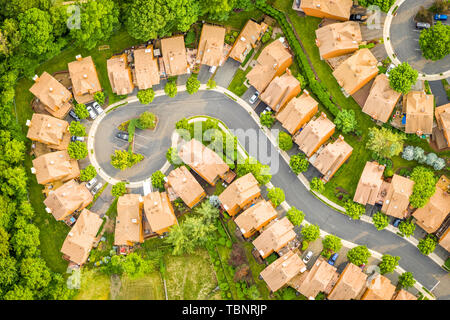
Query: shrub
(146, 96)
(332, 243)
(406, 280)
(310, 232)
(190, 37)
(354, 210)
(81, 111)
(358, 255)
(284, 141)
(77, 150)
(77, 129)
(388, 263)
(408, 153)
(346, 121)
(276, 196)
(317, 185)
(402, 77)
(173, 158)
(407, 228)
(298, 163)
(99, 97)
(147, 120)
(119, 189)
(122, 159)
(158, 180)
(424, 186)
(88, 173)
(435, 41)
(427, 244)
(439, 164)
(192, 84)
(267, 119)
(171, 88)
(295, 216)
(380, 220)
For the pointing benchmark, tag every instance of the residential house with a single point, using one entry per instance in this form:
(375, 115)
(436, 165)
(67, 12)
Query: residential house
(369, 183)
(81, 238)
(146, 69)
(404, 295)
(255, 218)
(418, 107)
(332, 157)
(280, 91)
(181, 183)
(350, 284)
(275, 237)
(444, 241)
(52, 94)
(380, 288)
(84, 79)
(67, 199)
(210, 46)
(49, 130)
(240, 194)
(129, 220)
(314, 134)
(337, 39)
(174, 56)
(397, 198)
(273, 61)
(298, 112)
(119, 74)
(382, 99)
(246, 41)
(443, 120)
(55, 166)
(159, 212)
(208, 164)
(356, 71)
(281, 271)
(331, 9)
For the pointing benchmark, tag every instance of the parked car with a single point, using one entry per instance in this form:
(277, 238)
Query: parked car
(212, 69)
(91, 182)
(390, 67)
(397, 222)
(97, 108)
(91, 111)
(422, 25)
(333, 259)
(74, 115)
(75, 138)
(96, 188)
(358, 17)
(254, 97)
(440, 17)
(308, 257)
(122, 135)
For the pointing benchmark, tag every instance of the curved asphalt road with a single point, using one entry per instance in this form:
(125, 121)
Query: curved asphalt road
(214, 104)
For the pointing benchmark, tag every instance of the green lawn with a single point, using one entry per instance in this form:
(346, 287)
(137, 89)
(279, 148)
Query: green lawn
(94, 285)
(237, 20)
(237, 84)
(149, 287)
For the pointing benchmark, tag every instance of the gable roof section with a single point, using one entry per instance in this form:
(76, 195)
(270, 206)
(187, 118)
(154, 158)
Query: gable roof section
(239, 192)
(397, 198)
(129, 220)
(280, 91)
(297, 112)
(312, 136)
(55, 166)
(444, 241)
(339, 9)
(432, 215)
(338, 38)
(84, 79)
(159, 212)
(404, 295)
(174, 55)
(255, 216)
(146, 68)
(380, 288)
(369, 183)
(210, 46)
(350, 284)
(119, 75)
(185, 185)
(49, 130)
(247, 39)
(419, 108)
(317, 279)
(275, 237)
(443, 120)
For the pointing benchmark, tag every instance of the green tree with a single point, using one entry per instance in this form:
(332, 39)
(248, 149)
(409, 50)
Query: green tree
(267, 119)
(77, 129)
(346, 121)
(276, 196)
(25, 241)
(407, 228)
(88, 173)
(36, 31)
(147, 120)
(192, 84)
(354, 210)
(134, 266)
(380, 220)
(384, 142)
(260, 172)
(34, 273)
(158, 180)
(402, 77)
(406, 280)
(99, 97)
(77, 150)
(298, 163)
(19, 292)
(119, 189)
(285, 141)
(310, 233)
(435, 41)
(146, 96)
(207, 212)
(424, 186)
(122, 159)
(8, 272)
(388, 263)
(4, 243)
(295, 216)
(171, 88)
(332, 243)
(427, 244)
(81, 111)
(317, 185)
(358, 255)
(173, 158)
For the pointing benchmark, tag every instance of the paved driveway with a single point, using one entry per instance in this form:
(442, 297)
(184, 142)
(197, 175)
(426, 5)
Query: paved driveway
(225, 73)
(405, 39)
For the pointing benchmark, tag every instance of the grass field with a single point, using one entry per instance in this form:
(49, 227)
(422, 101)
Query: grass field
(94, 285)
(237, 84)
(149, 287)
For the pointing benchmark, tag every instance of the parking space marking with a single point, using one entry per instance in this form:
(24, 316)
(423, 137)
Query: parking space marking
(143, 137)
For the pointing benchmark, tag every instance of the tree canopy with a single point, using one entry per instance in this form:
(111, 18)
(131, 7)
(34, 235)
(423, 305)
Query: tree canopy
(402, 77)
(310, 232)
(295, 216)
(358, 255)
(276, 196)
(384, 142)
(424, 186)
(435, 41)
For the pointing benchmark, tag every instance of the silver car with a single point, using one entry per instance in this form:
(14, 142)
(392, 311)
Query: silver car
(308, 256)
(91, 112)
(254, 97)
(96, 188)
(91, 183)
(97, 108)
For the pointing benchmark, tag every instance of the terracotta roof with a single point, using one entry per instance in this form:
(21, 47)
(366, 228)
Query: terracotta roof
(52, 94)
(210, 47)
(380, 288)
(174, 55)
(49, 130)
(338, 38)
(68, 198)
(239, 192)
(129, 220)
(332, 157)
(81, 237)
(350, 284)
(443, 183)
(273, 60)
(247, 39)
(55, 166)
(369, 183)
(282, 270)
(255, 216)
(314, 134)
(356, 71)
(84, 79)
(432, 215)
(397, 198)
(280, 91)
(146, 68)
(317, 279)
(275, 237)
(443, 120)
(119, 75)
(185, 185)
(404, 295)
(382, 99)
(323, 8)
(159, 212)
(297, 112)
(418, 107)
(444, 241)
(208, 164)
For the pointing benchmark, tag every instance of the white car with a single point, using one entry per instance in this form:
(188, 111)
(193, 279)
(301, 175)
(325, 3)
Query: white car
(254, 97)
(96, 188)
(308, 256)
(91, 112)
(91, 183)
(97, 108)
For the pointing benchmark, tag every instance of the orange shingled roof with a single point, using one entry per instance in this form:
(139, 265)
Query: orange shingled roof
(247, 39)
(185, 186)
(255, 217)
(369, 183)
(159, 212)
(432, 215)
(210, 46)
(443, 120)
(444, 241)
(333, 9)
(397, 198)
(84, 79)
(317, 279)
(350, 284)
(49, 130)
(337, 39)
(381, 100)
(129, 220)
(380, 288)
(174, 55)
(314, 134)
(275, 237)
(119, 75)
(280, 91)
(419, 108)
(404, 295)
(240, 193)
(55, 166)
(297, 112)
(146, 68)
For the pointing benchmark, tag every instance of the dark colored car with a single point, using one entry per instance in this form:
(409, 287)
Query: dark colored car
(122, 135)
(74, 115)
(333, 259)
(75, 138)
(396, 222)
(358, 17)
(422, 25)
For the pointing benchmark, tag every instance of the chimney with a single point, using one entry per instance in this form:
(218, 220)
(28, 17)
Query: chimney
(134, 221)
(52, 162)
(33, 170)
(165, 179)
(323, 115)
(141, 199)
(70, 234)
(85, 76)
(35, 78)
(50, 89)
(306, 92)
(48, 210)
(317, 42)
(155, 203)
(184, 179)
(341, 138)
(28, 123)
(78, 57)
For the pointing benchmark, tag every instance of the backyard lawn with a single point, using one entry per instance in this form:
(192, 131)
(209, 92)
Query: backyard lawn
(94, 285)
(149, 287)
(237, 84)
